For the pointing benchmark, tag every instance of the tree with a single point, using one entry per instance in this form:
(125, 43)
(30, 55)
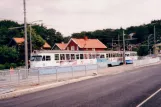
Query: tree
(37, 40)
(7, 34)
(8, 55)
(142, 51)
(51, 36)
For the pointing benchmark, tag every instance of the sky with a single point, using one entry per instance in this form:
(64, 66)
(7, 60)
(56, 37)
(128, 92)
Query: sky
(72, 16)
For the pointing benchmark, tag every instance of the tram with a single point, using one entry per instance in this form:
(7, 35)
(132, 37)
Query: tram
(52, 58)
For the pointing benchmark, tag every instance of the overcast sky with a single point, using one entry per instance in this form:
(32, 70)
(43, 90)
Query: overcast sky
(69, 16)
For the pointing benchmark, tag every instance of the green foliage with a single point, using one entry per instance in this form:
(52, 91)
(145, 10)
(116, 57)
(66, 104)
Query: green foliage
(14, 65)
(51, 36)
(7, 66)
(6, 33)
(2, 66)
(8, 55)
(142, 51)
(37, 41)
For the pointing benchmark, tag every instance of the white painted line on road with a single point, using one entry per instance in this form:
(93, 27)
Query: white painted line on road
(148, 98)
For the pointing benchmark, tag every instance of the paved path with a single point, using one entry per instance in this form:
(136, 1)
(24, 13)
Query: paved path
(127, 89)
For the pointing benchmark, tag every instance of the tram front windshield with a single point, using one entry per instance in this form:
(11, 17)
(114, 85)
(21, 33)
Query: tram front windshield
(36, 58)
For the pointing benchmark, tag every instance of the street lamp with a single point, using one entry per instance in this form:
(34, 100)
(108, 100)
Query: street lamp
(30, 35)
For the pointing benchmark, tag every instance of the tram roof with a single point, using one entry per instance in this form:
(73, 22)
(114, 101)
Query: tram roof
(67, 51)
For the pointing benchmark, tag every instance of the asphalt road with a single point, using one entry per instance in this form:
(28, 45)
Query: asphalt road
(155, 101)
(123, 90)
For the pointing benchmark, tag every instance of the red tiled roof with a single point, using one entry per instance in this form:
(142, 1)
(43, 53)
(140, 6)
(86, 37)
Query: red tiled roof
(89, 43)
(46, 45)
(19, 40)
(62, 46)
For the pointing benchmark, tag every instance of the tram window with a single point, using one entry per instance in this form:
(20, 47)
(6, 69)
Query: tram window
(106, 55)
(85, 56)
(72, 56)
(32, 58)
(62, 57)
(77, 56)
(90, 56)
(56, 56)
(102, 56)
(94, 56)
(81, 56)
(48, 58)
(126, 54)
(97, 56)
(117, 55)
(38, 58)
(68, 56)
(43, 58)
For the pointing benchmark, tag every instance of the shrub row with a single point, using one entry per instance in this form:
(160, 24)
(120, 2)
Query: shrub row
(9, 65)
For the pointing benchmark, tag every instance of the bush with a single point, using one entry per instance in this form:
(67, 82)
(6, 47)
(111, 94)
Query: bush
(2, 66)
(13, 65)
(7, 65)
(21, 63)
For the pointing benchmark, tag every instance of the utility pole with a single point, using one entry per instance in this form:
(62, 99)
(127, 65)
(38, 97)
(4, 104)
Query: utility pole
(112, 43)
(30, 42)
(154, 36)
(124, 48)
(25, 31)
(119, 41)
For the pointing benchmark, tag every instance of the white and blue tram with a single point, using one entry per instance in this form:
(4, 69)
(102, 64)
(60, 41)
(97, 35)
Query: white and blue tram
(70, 58)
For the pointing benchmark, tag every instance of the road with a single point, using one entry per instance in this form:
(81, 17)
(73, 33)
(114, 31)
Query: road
(127, 89)
(155, 101)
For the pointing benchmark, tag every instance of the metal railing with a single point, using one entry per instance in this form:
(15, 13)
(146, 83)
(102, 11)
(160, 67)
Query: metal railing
(30, 77)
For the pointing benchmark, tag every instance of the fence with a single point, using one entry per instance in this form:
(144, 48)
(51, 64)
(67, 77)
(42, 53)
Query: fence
(24, 77)
(146, 61)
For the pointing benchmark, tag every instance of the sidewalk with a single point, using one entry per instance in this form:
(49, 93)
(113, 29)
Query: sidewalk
(49, 82)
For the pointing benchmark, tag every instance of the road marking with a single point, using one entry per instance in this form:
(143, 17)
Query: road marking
(148, 98)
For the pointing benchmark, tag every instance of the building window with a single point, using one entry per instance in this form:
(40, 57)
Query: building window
(72, 48)
(77, 48)
(93, 49)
